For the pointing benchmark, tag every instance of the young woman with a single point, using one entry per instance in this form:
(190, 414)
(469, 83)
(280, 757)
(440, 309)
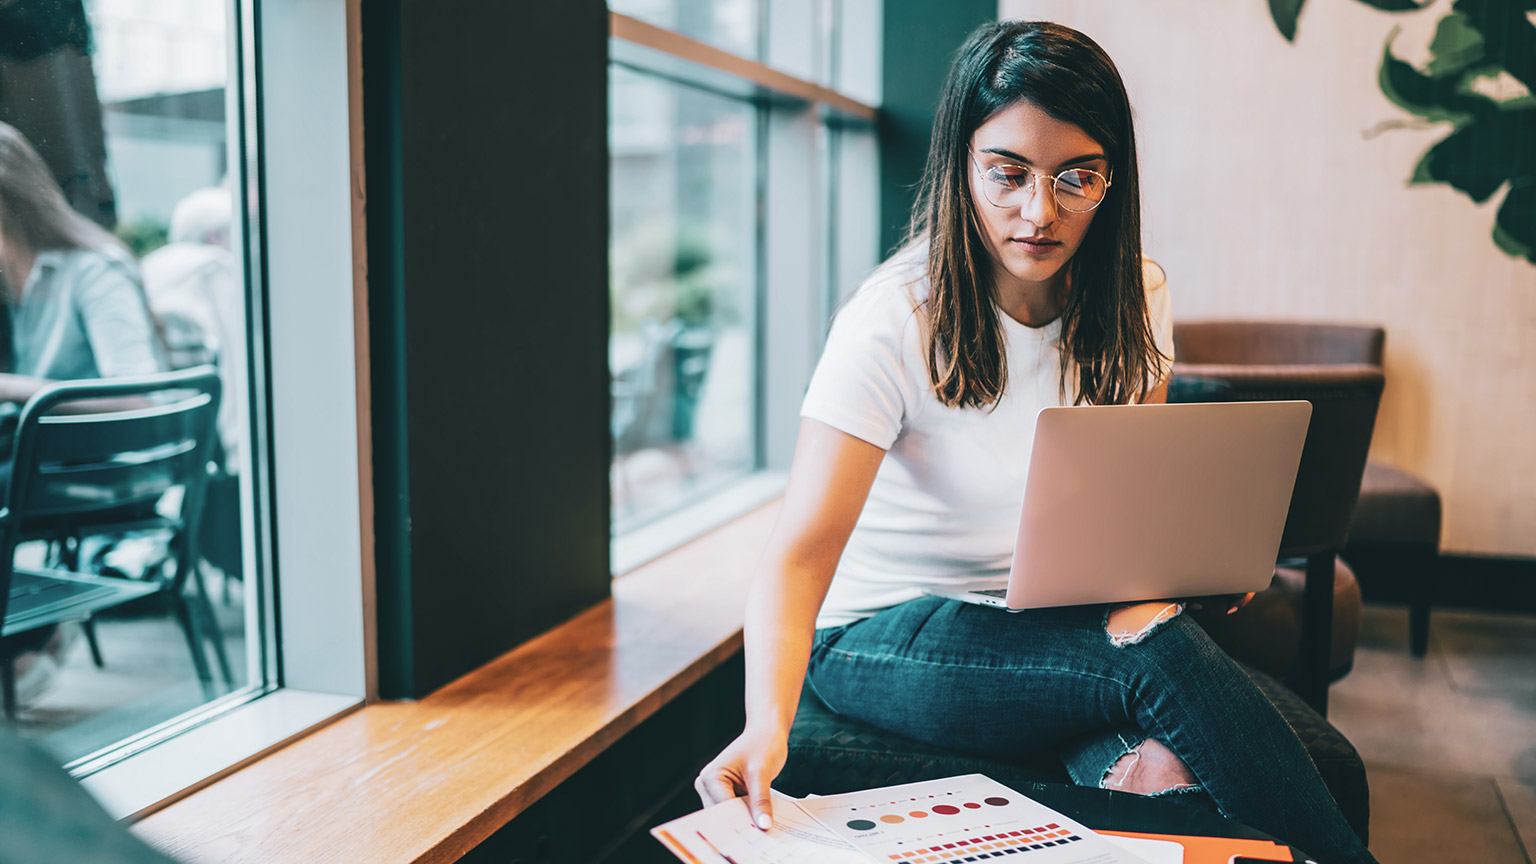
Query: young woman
(1022, 286)
(71, 307)
(76, 308)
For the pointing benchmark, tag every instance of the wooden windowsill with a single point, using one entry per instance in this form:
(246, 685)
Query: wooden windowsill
(427, 781)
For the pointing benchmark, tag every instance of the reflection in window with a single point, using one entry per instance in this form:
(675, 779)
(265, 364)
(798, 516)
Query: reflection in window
(683, 193)
(120, 255)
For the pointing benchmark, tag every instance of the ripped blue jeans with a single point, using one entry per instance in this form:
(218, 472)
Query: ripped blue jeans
(1005, 685)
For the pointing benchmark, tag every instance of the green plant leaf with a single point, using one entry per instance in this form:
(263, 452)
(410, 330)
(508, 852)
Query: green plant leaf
(1454, 161)
(1509, 36)
(1421, 172)
(1485, 154)
(1285, 13)
(1395, 5)
(1457, 46)
(1514, 229)
(1433, 99)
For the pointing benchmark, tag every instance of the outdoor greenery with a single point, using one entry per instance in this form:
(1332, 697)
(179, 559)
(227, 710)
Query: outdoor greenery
(664, 272)
(142, 236)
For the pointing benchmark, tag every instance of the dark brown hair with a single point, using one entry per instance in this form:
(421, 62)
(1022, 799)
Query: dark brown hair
(34, 214)
(32, 208)
(1104, 327)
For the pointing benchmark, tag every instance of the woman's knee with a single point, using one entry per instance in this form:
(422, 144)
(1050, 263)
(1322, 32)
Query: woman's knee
(1131, 623)
(1149, 768)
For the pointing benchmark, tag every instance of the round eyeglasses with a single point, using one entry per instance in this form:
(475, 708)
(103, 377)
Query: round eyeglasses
(1077, 190)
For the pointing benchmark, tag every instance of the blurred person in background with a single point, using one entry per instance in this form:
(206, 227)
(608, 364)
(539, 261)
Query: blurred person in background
(75, 305)
(193, 287)
(72, 307)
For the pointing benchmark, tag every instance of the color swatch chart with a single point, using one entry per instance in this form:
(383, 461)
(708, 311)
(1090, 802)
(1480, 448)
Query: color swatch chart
(959, 820)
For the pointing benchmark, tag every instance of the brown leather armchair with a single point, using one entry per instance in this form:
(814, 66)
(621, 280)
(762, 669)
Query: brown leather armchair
(1252, 362)
(1395, 530)
(1276, 343)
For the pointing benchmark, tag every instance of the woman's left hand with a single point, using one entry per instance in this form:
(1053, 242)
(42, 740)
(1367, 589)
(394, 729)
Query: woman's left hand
(1239, 602)
(1233, 602)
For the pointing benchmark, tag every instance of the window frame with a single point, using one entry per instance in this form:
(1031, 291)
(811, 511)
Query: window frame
(293, 65)
(301, 127)
(798, 118)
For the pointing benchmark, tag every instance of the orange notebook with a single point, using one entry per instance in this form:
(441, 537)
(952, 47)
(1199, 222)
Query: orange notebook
(1216, 850)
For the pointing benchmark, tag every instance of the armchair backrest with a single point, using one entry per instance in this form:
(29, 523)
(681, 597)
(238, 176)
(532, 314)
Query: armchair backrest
(1344, 401)
(1276, 342)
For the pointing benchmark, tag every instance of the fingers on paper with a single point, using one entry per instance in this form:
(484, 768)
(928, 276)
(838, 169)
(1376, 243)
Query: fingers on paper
(715, 786)
(712, 787)
(759, 800)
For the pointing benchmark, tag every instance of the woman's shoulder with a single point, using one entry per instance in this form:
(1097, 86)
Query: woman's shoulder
(895, 290)
(90, 278)
(1153, 275)
(90, 263)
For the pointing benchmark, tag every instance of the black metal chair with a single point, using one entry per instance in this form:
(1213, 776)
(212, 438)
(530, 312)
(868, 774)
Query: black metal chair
(80, 475)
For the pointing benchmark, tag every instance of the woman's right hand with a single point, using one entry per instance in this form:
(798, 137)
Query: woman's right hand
(746, 767)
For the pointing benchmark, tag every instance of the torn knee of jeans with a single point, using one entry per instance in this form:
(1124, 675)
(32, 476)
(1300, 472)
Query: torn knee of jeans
(1150, 768)
(1131, 623)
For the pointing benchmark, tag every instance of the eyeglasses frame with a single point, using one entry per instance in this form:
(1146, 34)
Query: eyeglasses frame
(1034, 186)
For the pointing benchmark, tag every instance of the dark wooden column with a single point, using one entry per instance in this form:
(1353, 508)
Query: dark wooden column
(487, 191)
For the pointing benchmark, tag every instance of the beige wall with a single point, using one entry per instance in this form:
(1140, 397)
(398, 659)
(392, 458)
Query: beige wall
(1263, 197)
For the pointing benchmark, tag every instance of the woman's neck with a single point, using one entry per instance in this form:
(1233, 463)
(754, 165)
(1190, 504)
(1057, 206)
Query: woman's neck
(1033, 304)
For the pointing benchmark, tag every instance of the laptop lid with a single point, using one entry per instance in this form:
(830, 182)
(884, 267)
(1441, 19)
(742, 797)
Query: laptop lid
(1144, 502)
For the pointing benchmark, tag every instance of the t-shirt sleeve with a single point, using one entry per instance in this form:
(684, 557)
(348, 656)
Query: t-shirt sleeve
(1160, 316)
(116, 321)
(863, 385)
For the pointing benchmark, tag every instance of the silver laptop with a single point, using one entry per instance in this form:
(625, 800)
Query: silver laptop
(1145, 502)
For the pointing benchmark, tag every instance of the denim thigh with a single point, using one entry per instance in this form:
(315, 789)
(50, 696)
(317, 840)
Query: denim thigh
(1002, 684)
(976, 678)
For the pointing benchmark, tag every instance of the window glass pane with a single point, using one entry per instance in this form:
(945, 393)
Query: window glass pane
(856, 48)
(684, 186)
(121, 252)
(855, 218)
(728, 24)
(797, 38)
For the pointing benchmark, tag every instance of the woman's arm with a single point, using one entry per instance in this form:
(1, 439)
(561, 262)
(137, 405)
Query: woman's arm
(114, 315)
(20, 388)
(118, 331)
(828, 484)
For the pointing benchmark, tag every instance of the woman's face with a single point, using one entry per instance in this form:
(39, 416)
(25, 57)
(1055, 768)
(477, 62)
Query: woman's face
(1032, 242)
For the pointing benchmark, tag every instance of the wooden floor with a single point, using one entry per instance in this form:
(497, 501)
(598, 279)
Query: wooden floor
(1449, 741)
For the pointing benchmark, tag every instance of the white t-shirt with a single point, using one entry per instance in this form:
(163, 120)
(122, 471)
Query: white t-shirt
(82, 315)
(946, 501)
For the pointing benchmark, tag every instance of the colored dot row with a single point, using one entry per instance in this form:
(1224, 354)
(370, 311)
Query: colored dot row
(940, 809)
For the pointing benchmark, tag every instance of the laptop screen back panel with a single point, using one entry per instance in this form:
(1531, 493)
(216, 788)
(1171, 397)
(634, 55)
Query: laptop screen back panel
(1142, 502)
